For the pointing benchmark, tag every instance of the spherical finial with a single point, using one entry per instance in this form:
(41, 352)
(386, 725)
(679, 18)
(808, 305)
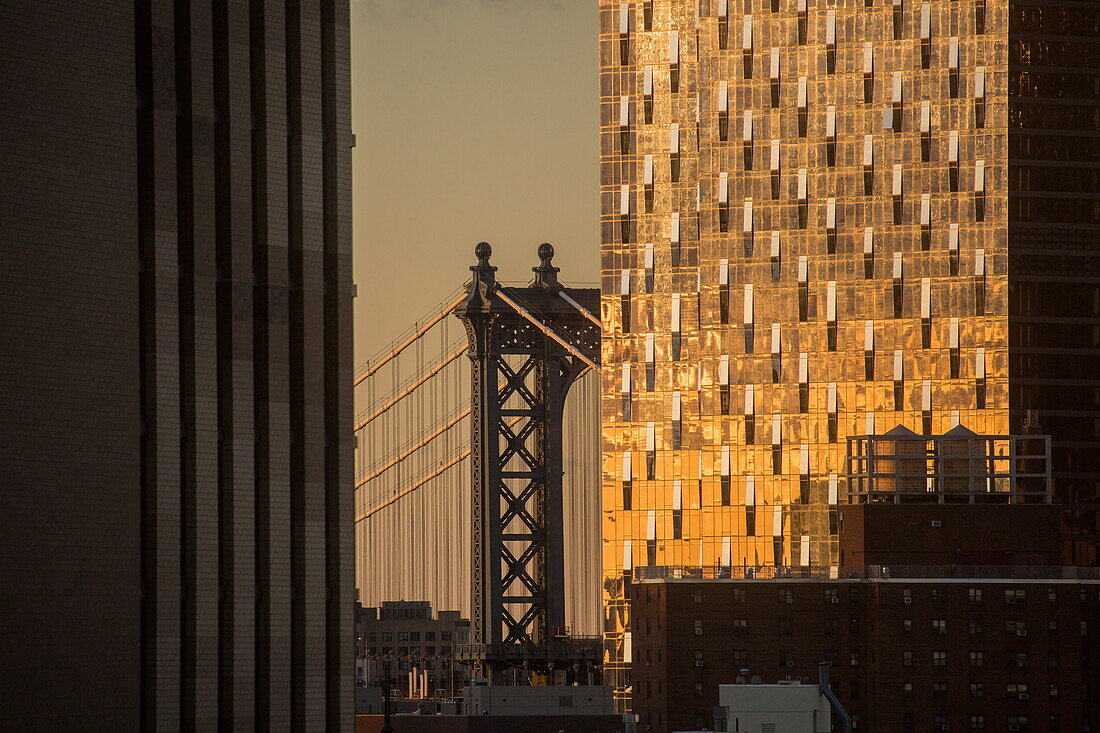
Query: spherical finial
(483, 251)
(546, 251)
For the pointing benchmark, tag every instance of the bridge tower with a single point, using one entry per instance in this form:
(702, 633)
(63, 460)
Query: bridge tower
(527, 347)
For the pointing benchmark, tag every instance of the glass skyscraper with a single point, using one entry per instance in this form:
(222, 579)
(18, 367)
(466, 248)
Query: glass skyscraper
(824, 220)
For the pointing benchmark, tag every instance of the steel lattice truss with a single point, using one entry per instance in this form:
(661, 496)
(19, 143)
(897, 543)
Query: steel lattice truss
(525, 358)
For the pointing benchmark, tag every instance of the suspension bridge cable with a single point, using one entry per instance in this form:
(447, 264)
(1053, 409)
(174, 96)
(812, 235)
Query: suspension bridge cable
(412, 388)
(423, 443)
(369, 369)
(546, 329)
(405, 492)
(583, 311)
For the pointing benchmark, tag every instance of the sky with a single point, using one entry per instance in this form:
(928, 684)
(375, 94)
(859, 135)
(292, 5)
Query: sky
(474, 120)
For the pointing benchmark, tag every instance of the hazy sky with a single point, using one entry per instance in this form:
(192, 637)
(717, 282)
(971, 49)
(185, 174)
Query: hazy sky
(474, 119)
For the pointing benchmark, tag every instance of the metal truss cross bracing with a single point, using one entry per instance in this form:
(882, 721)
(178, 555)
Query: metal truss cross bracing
(527, 347)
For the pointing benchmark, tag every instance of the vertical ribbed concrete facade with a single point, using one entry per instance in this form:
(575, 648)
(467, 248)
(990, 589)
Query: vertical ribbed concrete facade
(177, 366)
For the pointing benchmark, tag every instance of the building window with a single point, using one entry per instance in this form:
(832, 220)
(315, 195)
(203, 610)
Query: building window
(832, 595)
(786, 658)
(1015, 596)
(977, 690)
(907, 626)
(977, 659)
(939, 658)
(786, 627)
(1015, 691)
(939, 721)
(939, 626)
(939, 689)
(740, 626)
(907, 658)
(698, 627)
(832, 626)
(739, 595)
(1052, 627)
(387, 636)
(974, 625)
(786, 595)
(977, 722)
(1052, 689)
(1018, 722)
(907, 689)
(402, 635)
(975, 595)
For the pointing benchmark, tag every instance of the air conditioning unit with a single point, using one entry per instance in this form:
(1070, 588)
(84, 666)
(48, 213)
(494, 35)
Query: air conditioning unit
(698, 632)
(1021, 632)
(834, 599)
(941, 632)
(1023, 695)
(937, 523)
(908, 601)
(945, 726)
(788, 600)
(698, 662)
(790, 663)
(1014, 726)
(1011, 600)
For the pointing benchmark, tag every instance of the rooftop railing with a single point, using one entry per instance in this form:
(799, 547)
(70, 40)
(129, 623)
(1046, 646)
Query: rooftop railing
(958, 467)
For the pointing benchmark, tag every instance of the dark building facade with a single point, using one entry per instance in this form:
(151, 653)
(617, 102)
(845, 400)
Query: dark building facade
(908, 654)
(176, 369)
(944, 618)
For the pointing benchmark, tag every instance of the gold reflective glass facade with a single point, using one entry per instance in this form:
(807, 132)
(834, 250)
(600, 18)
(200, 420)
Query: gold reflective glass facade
(806, 237)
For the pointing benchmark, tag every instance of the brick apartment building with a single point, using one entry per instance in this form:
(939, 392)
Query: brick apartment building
(406, 636)
(945, 618)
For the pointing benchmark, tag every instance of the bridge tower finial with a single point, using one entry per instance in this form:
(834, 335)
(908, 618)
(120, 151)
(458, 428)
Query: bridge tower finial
(546, 275)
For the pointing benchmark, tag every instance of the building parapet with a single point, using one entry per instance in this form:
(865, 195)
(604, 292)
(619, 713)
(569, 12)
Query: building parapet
(991, 573)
